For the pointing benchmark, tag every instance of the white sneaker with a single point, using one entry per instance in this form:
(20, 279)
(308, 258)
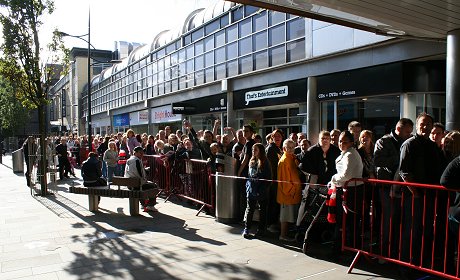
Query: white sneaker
(150, 209)
(287, 239)
(274, 228)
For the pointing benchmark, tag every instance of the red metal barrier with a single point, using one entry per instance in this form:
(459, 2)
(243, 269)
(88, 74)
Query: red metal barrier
(404, 223)
(187, 179)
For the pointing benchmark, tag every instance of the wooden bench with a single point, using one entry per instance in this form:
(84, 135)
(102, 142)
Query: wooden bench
(132, 192)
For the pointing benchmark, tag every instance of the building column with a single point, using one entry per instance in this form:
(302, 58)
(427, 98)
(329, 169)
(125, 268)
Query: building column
(231, 116)
(452, 80)
(313, 128)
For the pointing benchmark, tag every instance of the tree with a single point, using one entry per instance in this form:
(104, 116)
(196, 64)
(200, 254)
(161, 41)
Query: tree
(13, 115)
(21, 61)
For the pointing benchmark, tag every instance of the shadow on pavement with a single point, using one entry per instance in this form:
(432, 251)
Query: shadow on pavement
(126, 249)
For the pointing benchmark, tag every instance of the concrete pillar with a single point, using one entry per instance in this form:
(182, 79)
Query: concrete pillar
(452, 80)
(231, 115)
(312, 111)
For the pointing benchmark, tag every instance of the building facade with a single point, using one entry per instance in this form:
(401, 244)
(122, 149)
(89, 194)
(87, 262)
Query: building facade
(243, 64)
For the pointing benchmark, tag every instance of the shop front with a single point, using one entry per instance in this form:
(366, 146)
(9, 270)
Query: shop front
(203, 112)
(379, 96)
(164, 116)
(139, 121)
(266, 108)
(121, 122)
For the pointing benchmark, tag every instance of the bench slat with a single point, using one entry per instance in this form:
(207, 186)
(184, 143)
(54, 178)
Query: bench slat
(105, 192)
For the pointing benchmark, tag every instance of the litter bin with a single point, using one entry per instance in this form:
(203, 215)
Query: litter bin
(227, 193)
(18, 161)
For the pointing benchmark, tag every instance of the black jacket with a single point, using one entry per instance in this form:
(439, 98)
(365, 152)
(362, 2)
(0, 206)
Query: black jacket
(314, 163)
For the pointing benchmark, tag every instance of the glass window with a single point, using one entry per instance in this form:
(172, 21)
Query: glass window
(189, 51)
(220, 38)
(220, 72)
(209, 74)
(296, 29)
(296, 50)
(174, 58)
(170, 48)
(183, 82)
(245, 46)
(182, 69)
(174, 85)
(232, 51)
(167, 87)
(261, 60)
(182, 56)
(245, 64)
(197, 34)
(249, 10)
(161, 88)
(232, 33)
(189, 66)
(187, 39)
(161, 75)
(245, 27)
(199, 47)
(260, 40)
(237, 14)
(224, 21)
(209, 59)
(161, 53)
(167, 61)
(167, 74)
(199, 62)
(209, 43)
(212, 26)
(220, 55)
(275, 17)
(232, 68)
(199, 77)
(276, 56)
(259, 21)
(276, 35)
(175, 71)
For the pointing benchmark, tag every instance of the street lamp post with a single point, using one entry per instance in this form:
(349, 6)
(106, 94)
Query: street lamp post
(88, 115)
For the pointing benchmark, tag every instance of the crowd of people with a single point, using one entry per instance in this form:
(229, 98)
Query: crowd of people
(275, 172)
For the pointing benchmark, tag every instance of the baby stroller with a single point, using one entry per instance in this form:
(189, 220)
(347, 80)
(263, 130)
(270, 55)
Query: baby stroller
(312, 211)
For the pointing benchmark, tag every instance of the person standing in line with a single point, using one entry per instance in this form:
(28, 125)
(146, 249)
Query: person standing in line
(104, 146)
(437, 133)
(238, 147)
(64, 164)
(355, 128)
(319, 160)
(348, 165)
(111, 160)
(248, 133)
(274, 152)
(257, 190)
(386, 161)
(289, 192)
(131, 141)
(420, 162)
(335, 134)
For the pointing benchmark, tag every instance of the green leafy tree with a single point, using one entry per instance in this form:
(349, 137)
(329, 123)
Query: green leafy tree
(21, 61)
(13, 115)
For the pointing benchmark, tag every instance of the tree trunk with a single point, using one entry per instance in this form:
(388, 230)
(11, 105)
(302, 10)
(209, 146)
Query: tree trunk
(43, 160)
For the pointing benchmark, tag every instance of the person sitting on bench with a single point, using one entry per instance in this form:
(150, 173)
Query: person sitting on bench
(135, 169)
(91, 171)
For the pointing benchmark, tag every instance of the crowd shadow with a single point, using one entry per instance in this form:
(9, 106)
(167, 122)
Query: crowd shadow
(122, 250)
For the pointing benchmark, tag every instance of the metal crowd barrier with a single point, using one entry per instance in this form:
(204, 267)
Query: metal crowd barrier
(187, 179)
(403, 223)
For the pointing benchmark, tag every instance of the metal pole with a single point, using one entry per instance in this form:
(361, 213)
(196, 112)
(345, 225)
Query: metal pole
(89, 81)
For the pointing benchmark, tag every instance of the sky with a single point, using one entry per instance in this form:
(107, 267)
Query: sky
(117, 20)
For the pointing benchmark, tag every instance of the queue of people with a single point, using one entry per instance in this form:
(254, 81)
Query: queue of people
(275, 173)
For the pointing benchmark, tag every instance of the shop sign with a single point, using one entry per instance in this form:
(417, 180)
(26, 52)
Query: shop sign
(337, 94)
(121, 120)
(139, 117)
(164, 114)
(265, 94)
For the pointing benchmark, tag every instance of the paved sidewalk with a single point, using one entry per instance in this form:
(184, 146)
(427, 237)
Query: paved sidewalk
(56, 237)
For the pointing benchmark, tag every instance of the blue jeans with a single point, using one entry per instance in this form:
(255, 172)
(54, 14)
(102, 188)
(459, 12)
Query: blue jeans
(111, 171)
